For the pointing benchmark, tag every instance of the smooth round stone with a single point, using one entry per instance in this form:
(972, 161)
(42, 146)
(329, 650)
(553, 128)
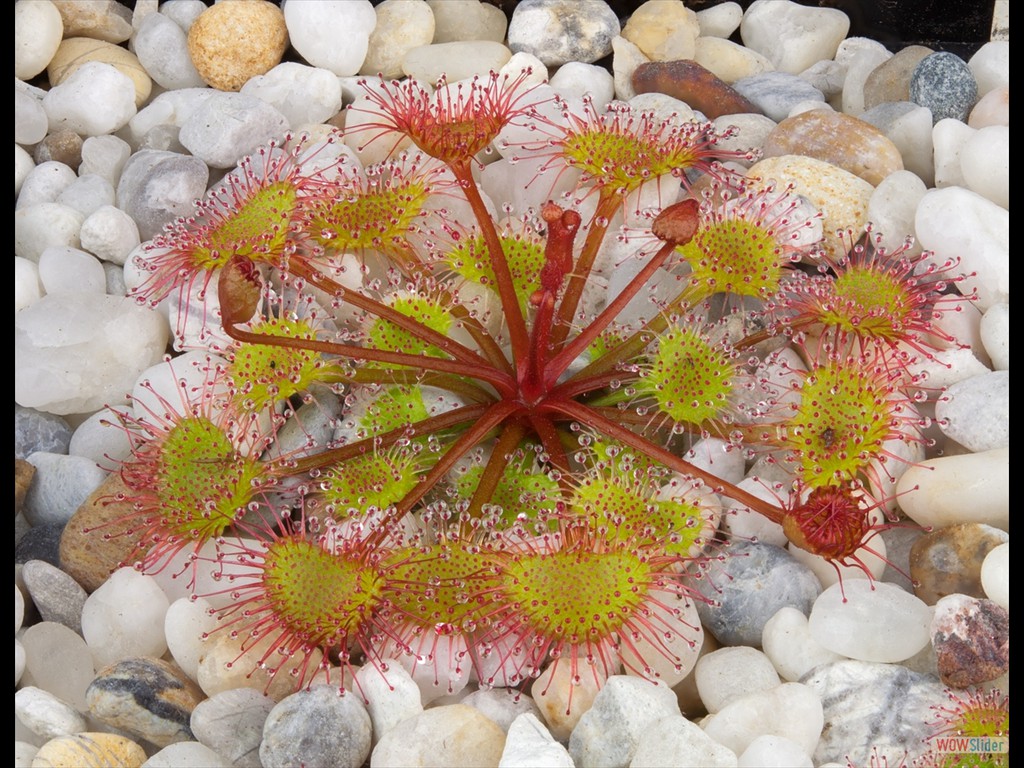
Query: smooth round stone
(870, 621)
(995, 575)
(46, 715)
(890, 80)
(70, 270)
(945, 84)
(24, 753)
(232, 42)
(529, 744)
(47, 642)
(727, 60)
(990, 65)
(145, 697)
(972, 487)
(957, 223)
(37, 431)
(776, 94)
(23, 474)
(675, 742)
(971, 638)
(87, 194)
(125, 618)
(76, 51)
(56, 595)
(110, 234)
(860, 57)
(30, 122)
(720, 20)
(62, 483)
(562, 700)
(626, 706)
(89, 750)
(729, 673)
(104, 156)
(788, 643)
(948, 561)
(461, 20)
(749, 588)
(976, 411)
(559, 31)
(626, 58)
(892, 207)
(402, 25)
(663, 31)
(948, 139)
(841, 196)
(390, 698)
(769, 751)
(156, 187)
(456, 61)
(451, 735)
(793, 36)
(229, 126)
(63, 146)
(992, 109)
(307, 31)
(106, 20)
(186, 754)
(185, 623)
(231, 724)
(861, 700)
(23, 165)
(162, 48)
(95, 99)
(691, 83)
(791, 710)
(502, 705)
(42, 225)
(225, 666)
(317, 727)
(44, 183)
(38, 29)
(985, 163)
(909, 127)
(302, 94)
(839, 139)
(576, 79)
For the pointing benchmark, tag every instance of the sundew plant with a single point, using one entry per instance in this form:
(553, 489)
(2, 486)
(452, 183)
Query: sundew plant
(473, 369)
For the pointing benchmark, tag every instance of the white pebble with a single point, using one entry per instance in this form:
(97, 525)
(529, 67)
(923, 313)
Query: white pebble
(577, 79)
(891, 209)
(968, 488)
(229, 126)
(27, 288)
(995, 575)
(729, 673)
(787, 641)
(46, 715)
(995, 335)
(563, 701)
(104, 156)
(30, 122)
(791, 710)
(40, 226)
(23, 165)
(872, 555)
(975, 412)
(186, 754)
(68, 680)
(390, 697)
(985, 163)
(162, 48)
(44, 183)
(402, 25)
(310, 24)
(530, 744)
(675, 742)
(948, 139)
(24, 754)
(87, 194)
(870, 622)
(125, 618)
(231, 724)
(110, 234)
(455, 61)
(95, 99)
(302, 94)
(774, 752)
(792, 36)
(101, 439)
(992, 109)
(990, 66)
(38, 29)
(70, 270)
(19, 660)
(459, 20)
(184, 625)
(720, 20)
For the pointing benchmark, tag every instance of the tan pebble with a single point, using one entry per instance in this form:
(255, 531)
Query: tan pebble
(23, 474)
(842, 140)
(64, 146)
(948, 561)
(890, 80)
(728, 61)
(236, 40)
(73, 52)
(91, 547)
(402, 25)
(90, 750)
(224, 665)
(106, 20)
(663, 31)
(841, 196)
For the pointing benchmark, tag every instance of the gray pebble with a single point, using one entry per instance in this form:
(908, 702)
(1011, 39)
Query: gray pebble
(36, 431)
(58, 597)
(40, 542)
(61, 484)
(560, 31)
(157, 187)
(776, 93)
(318, 727)
(870, 705)
(975, 412)
(231, 724)
(753, 583)
(944, 83)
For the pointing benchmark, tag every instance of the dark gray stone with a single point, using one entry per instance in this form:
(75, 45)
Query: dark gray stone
(945, 84)
(36, 431)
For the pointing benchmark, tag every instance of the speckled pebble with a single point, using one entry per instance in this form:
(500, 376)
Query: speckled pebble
(231, 42)
(971, 638)
(40, 542)
(317, 727)
(23, 474)
(750, 587)
(945, 84)
(58, 597)
(146, 697)
(90, 750)
(558, 31)
(948, 561)
(838, 139)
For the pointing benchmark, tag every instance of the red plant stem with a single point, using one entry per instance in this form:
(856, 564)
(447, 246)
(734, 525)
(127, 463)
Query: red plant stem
(607, 204)
(592, 418)
(549, 438)
(453, 418)
(511, 433)
(419, 330)
(501, 381)
(578, 345)
(580, 386)
(518, 334)
(457, 385)
(492, 416)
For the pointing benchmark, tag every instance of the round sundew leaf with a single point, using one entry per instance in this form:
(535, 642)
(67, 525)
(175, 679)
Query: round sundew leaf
(524, 256)
(383, 334)
(689, 378)
(371, 480)
(264, 374)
